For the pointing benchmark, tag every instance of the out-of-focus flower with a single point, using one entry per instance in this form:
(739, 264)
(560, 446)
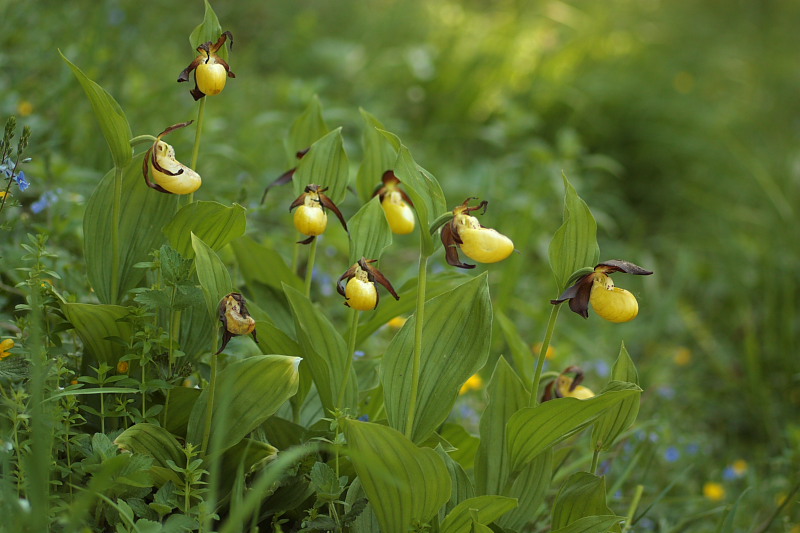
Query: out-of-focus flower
(551, 351)
(610, 302)
(211, 71)
(5, 346)
(235, 318)
(714, 491)
(683, 356)
(170, 175)
(3, 194)
(397, 322)
(735, 470)
(286, 177)
(475, 382)
(481, 244)
(360, 292)
(310, 218)
(122, 367)
(364, 418)
(47, 199)
(24, 108)
(396, 204)
(672, 454)
(565, 386)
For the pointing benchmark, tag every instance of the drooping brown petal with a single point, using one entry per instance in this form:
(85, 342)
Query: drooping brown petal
(617, 265)
(350, 273)
(578, 295)
(307, 241)
(373, 274)
(548, 392)
(300, 200)
(148, 157)
(226, 337)
(283, 179)
(217, 45)
(451, 248)
(483, 205)
(184, 75)
(328, 203)
(174, 127)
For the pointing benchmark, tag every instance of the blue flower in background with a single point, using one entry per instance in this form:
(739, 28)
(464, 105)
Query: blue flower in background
(364, 418)
(47, 199)
(21, 181)
(672, 454)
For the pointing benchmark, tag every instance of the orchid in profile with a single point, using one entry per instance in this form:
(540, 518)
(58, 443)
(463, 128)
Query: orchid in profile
(484, 245)
(566, 386)
(597, 288)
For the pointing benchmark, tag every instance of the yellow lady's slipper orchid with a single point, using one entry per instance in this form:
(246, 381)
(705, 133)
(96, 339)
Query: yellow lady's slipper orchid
(5, 346)
(360, 292)
(168, 175)
(235, 318)
(211, 71)
(611, 303)
(396, 204)
(484, 245)
(310, 218)
(567, 387)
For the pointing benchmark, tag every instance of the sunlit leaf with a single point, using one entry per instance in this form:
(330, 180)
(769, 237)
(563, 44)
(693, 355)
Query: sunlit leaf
(582, 495)
(154, 441)
(612, 423)
(461, 487)
(208, 30)
(215, 224)
(410, 483)
(591, 524)
(212, 274)
(263, 264)
(369, 232)
(379, 156)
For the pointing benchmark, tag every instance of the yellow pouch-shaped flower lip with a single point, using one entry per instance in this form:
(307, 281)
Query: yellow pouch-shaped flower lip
(163, 172)
(398, 213)
(310, 218)
(235, 319)
(361, 295)
(211, 76)
(484, 245)
(360, 291)
(613, 303)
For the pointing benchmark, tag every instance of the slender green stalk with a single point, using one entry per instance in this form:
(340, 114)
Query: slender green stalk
(351, 349)
(312, 255)
(116, 214)
(417, 361)
(296, 258)
(212, 383)
(537, 375)
(595, 460)
(632, 509)
(201, 111)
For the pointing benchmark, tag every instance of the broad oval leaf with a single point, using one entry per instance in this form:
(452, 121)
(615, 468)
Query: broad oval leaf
(379, 156)
(487, 508)
(154, 441)
(574, 244)
(212, 274)
(324, 164)
(410, 483)
(142, 215)
(306, 129)
(263, 264)
(455, 344)
(95, 323)
(247, 393)
(532, 430)
(369, 232)
(591, 524)
(582, 495)
(461, 487)
(215, 224)
(109, 114)
(530, 487)
(612, 423)
(208, 30)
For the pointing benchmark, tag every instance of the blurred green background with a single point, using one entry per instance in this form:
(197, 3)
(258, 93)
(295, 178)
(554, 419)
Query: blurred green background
(677, 121)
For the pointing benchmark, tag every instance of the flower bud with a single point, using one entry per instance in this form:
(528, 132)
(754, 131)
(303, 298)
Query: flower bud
(398, 213)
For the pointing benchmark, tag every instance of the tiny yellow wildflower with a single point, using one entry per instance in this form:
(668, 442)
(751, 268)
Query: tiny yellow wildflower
(122, 367)
(714, 491)
(551, 352)
(3, 194)
(24, 108)
(475, 382)
(5, 346)
(397, 322)
(739, 467)
(683, 356)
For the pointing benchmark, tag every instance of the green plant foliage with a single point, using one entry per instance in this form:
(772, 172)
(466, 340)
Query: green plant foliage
(109, 115)
(143, 213)
(461, 486)
(487, 508)
(582, 495)
(215, 224)
(611, 424)
(454, 346)
(151, 440)
(95, 325)
(212, 274)
(379, 156)
(262, 264)
(369, 232)
(208, 30)
(410, 482)
(574, 244)
(591, 524)
(325, 164)
(306, 129)
(249, 392)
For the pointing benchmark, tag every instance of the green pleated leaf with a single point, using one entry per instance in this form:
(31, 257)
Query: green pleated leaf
(369, 232)
(215, 224)
(591, 524)
(142, 215)
(379, 156)
(212, 274)
(197, 330)
(455, 344)
(178, 408)
(94, 324)
(529, 487)
(520, 351)
(488, 509)
(152, 440)
(574, 244)
(306, 129)
(248, 392)
(110, 116)
(465, 444)
(612, 423)
(461, 487)
(389, 308)
(324, 351)
(532, 430)
(507, 395)
(263, 264)
(208, 30)
(582, 495)
(408, 484)
(326, 165)
(423, 189)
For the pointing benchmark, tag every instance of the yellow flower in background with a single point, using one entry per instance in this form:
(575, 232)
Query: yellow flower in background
(5, 346)
(739, 467)
(475, 382)
(3, 194)
(714, 491)
(397, 322)
(122, 367)
(551, 352)
(683, 356)
(24, 108)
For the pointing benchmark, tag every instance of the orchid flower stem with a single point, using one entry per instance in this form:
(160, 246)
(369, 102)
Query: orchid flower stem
(351, 349)
(116, 213)
(417, 361)
(212, 383)
(142, 139)
(312, 255)
(537, 375)
(201, 111)
(595, 460)
(632, 509)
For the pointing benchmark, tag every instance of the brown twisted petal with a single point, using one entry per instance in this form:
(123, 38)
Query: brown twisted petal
(617, 265)
(578, 295)
(450, 241)
(149, 156)
(349, 273)
(373, 274)
(328, 203)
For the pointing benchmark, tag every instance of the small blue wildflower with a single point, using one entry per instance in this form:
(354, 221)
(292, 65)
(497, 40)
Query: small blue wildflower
(364, 418)
(692, 448)
(604, 467)
(666, 392)
(602, 369)
(47, 199)
(21, 181)
(358, 354)
(672, 454)
(653, 436)
(646, 523)
(729, 473)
